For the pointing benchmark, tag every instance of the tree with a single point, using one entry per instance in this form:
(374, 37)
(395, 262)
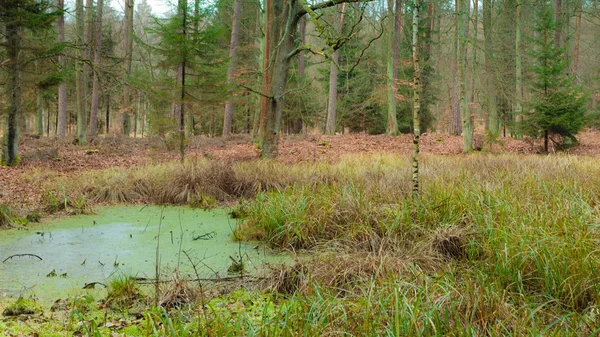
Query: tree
(490, 102)
(465, 116)
(282, 19)
(235, 28)
(128, 54)
(416, 99)
(559, 106)
(18, 16)
(518, 69)
(333, 79)
(61, 127)
(80, 78)
(96, 72)
(392, 65)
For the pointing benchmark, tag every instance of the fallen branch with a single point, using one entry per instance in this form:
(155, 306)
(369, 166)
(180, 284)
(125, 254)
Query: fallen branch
(93, 285)
(20, 255)
(143, 280)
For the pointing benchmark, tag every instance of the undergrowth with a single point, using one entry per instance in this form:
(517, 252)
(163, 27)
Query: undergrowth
(495, 245)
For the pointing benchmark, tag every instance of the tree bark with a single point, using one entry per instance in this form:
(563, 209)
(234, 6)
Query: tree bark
(455, 120)
(10, 138)
(235, 27)
(61, 125)
(126, 125)
(577, 38)
(281, 24)
(96, 82)
(558, 19)
(474, 72)
(333, 79)
(41, 110)
(464, 104)
(416, 100)
(518, 72)
(493, 125)
(392, 121)
(80, 74)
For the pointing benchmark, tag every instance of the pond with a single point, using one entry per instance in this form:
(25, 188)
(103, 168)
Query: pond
(120, 240)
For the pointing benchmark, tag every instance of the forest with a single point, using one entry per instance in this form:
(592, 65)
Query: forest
(299, 167)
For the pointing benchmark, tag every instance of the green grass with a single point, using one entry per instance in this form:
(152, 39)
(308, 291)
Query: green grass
(496, 245)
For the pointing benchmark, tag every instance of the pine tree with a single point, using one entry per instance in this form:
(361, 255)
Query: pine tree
(17, 16)
(559, 106)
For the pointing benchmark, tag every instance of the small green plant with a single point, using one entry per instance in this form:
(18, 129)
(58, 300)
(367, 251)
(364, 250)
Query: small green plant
(123, 291)
(23, 306)
(34, 216)
(5, 219)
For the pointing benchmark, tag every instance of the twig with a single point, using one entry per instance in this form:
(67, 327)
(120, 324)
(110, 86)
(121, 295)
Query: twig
(19, 255)
(143, 280)
(92, 285)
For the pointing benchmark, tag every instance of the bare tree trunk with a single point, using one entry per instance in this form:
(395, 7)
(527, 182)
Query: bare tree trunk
(333, 80)
(462, 77)
(416, 100)
(493, 125)
(61, 125)
(577, 38)
(235, 28)
(455, 120)
(96, 83)
(298, 122)
(518, 72)
(129, 5)
(41, 110)
(183, 10)
(80, 74)
(392, 121)
(260, 23)
(474, 70)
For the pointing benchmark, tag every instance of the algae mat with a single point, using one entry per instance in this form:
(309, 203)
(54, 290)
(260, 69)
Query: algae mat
(118, 240)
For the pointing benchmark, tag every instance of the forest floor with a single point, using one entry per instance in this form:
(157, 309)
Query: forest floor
(499, 242)
(48, 157)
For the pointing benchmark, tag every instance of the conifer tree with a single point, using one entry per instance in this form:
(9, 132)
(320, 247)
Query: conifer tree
(17, 16)
(558, 107)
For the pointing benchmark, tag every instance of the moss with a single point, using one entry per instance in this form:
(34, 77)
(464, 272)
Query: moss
(23, 307)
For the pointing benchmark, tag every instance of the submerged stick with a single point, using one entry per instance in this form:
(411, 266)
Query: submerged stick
(20, 255)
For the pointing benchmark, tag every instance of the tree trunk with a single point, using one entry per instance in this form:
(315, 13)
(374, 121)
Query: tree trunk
(298, 122)
(10, 139)
(416, 100)
(279, 42)
(61, 125)
(455, 120)
(235, 27)
(518, 72)
(474, 70)
(577, 38)
(392, 121)
(493, 125)
(462, 52)
(333, 80)
(260, 20)
(183, 11)
(129, 5)
(41, 110)
(96, 83)
(80, 74)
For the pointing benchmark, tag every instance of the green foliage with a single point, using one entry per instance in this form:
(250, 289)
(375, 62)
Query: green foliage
(23, 306)
(559, 106)
(5, 216)
(123, 291)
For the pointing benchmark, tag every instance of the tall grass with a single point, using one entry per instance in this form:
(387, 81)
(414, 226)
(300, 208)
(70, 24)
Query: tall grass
(495, 245)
